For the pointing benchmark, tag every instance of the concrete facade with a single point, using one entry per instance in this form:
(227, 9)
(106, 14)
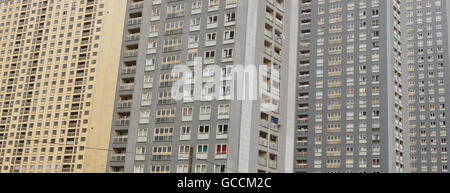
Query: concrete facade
(255, 136)
(428, 68)
(56, 95)
(352, 98)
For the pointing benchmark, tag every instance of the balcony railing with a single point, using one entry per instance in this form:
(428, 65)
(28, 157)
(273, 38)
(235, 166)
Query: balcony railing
(118, 158)
(120, 140)
(137, 5)
(127, 86)
(129, 70)
(133, 37)
(125, 104)
(135, 21)
(122, 122)
(131, 53)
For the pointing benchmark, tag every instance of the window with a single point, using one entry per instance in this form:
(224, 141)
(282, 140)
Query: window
(194, 38)
(144, 117)
(220, 168)
(184, 149)
(146, 99)
(163, 134)
(160, 169)
(222, 129)
(185, 130)
(203, 129)
(227, 53)
(197, 5)
(195, 22)
(230, 17)
(211, 36)
(161, 153)
(142, 133)
(187, 113)
(205, 112)
(156, 12)
(202, 149)
(221, 149)
(200, 168)
(182, 168)
(210, 54)
(228, 35)
(224, 111)
(213, 3)
(212, 19)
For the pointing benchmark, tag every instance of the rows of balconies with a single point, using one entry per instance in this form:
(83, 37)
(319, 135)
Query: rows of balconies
(127, 84)
(303, 78)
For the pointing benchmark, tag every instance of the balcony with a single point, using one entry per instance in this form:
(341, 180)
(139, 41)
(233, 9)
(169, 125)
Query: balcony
(122, 122)
(135, 21)
(129, 70)
(302, 143)
(132, 37)
(131, 53)
(273, 164)
(118, 158)
(137, 5)
(262, 161)
(301, 154)
(127, 86)
(301, 166)
(125, 104)
(263, 142)
(120, 140)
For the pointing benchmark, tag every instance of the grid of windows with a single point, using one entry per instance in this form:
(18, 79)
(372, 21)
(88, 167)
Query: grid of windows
(427, 67)
(340, 116)
(49, 59)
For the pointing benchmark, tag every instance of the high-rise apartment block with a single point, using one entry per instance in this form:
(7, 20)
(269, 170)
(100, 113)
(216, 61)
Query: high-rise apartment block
(56, 61)
(154, 133)
(352, 87)
(428, 67)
